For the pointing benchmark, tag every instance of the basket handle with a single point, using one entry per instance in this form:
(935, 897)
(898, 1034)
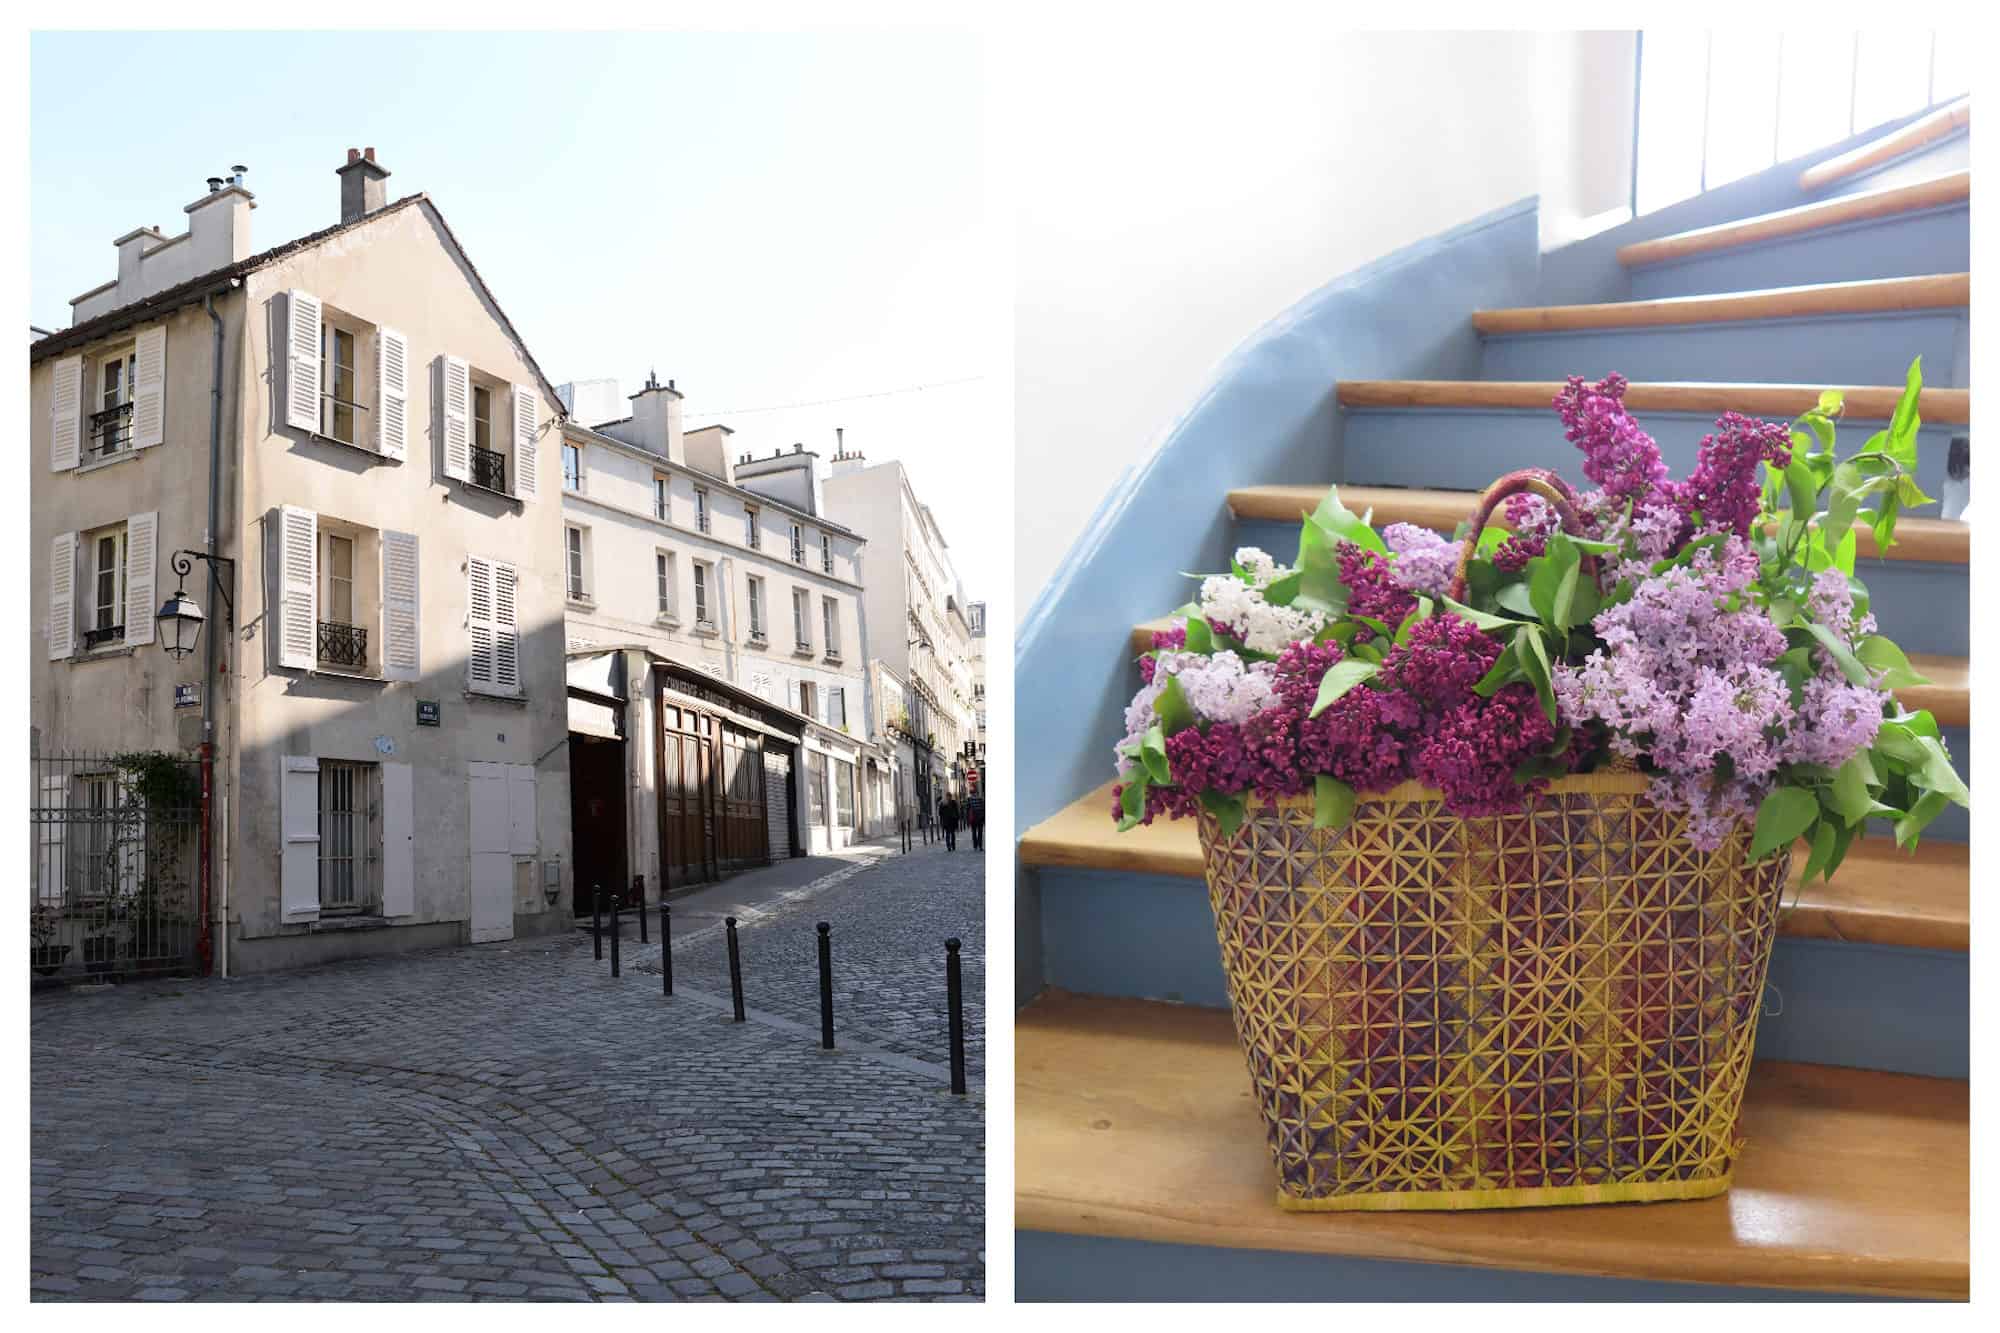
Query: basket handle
(1550, 486)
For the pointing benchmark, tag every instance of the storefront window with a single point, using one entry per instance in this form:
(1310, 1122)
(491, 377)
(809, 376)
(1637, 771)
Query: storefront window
(816, 786)
(843, 791)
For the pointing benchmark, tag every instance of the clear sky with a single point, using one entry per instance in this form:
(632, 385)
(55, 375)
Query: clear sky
(768, 219)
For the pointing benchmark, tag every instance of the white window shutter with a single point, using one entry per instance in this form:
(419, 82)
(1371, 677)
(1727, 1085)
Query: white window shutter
(62, 597)
(399, 828)
(479, 672)
(298, 587)
(454, 398)
(303, 314)
(401, 613)
(298, 877)
(521, 839)
(527, 431)
(149, 388)
(142, 567)
(66, 414)
(506, 630)
(392, 398)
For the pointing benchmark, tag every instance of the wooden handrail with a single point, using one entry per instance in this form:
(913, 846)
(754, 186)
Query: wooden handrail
(1944, 121)
(1938, 192)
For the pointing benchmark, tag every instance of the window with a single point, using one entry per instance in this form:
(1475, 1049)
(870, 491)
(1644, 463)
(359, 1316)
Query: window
(341, 641)
(339, 592)
(662, 506)
(663, 576)
(826, 553)
(700, 509)
(572, 467)
(107, 585)
(703, 572)
(573, 561)
(482, 417)
(829, 615)
(836, 706)
(843, 792)
(111, 408)
(756, 592)
(339, 402)
(809, 698)
(798, 545)
(750, 536)
(801, 621)
(816, 786)
(349, 846)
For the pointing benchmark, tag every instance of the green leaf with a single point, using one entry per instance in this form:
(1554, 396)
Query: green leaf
(1904, 423)
(1228, 811)
(1883, 655)
(1842, 839)
(1850, 666)
(1320, 588)
(1340, 522)
(1282, 591)
(1339, 679)
(1938, 774)
(1421, 611)
(1851, 795)
(1535, 663)
(1480, 618)
(1153, 754)
(1506, 669)
(1802, 489)
(1928, 807)
(1823, 836)
(1132, 800)
(1333, 803)
(1831, 401)
(1785, 814)
(1514, 597)
(1171, 706)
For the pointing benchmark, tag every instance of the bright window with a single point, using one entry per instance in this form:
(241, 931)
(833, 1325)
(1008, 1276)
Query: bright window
(573, 557)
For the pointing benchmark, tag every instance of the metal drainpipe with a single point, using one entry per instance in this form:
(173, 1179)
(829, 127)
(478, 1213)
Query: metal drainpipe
(208, 653)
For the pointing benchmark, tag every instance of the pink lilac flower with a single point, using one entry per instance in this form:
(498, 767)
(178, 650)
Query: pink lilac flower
(1831, 603)
(1442, 660)
(1725, 489)
(1425, 560)
(1371, 591)
(1471, 754)
(1617, 454)
(1837, 719)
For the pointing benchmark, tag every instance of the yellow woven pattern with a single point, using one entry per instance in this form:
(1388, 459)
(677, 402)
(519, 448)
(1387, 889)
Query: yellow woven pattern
(1552, 1007)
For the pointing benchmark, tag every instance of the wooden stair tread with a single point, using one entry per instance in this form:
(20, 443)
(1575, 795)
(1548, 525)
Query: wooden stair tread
(1135, 1120)
(1944, 121)
(1870, 296)
(1779, 401)
(1952, 188)
(1920, 900)
(1941, 541)
(1948, 696)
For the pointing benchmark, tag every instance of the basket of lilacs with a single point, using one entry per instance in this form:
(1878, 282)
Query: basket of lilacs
(1496, 825)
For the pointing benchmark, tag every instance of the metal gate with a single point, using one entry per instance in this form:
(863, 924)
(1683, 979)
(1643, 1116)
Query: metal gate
(113, 843)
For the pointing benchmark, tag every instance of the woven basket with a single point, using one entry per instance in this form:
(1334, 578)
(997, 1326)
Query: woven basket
(1550, 1007)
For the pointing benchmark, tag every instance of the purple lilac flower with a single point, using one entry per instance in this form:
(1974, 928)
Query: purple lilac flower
(1831, 603)
(1425, 560)
(1725, 489)
(1617, 454)
(1371, 591)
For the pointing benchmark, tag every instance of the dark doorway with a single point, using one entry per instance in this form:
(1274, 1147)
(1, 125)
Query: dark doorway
(597, 816)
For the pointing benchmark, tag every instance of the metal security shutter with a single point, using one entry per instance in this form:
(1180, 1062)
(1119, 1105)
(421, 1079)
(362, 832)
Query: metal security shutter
(149, 388)
(401, 608)
(392, 378)
(303, 314)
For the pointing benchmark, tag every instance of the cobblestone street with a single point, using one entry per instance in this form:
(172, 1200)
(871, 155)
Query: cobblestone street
(507, 1122)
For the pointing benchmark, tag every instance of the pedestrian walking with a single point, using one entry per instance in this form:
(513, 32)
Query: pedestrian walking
(975, 820)
(948, 821)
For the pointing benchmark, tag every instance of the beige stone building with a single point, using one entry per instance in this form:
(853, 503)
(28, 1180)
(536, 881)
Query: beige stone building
(726, 605)
(381, 455)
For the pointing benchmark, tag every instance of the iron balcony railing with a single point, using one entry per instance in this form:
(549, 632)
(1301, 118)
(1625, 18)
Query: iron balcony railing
(342, 645)
(111, 431)
(97, 638)
(489, 469)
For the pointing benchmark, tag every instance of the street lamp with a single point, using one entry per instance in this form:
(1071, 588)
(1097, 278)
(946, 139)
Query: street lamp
(180, 617)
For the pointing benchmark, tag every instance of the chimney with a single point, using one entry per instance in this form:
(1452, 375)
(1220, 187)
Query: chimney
(361, 191)
(656, 419)
(219, 223)
(844, 462)
(131, 246)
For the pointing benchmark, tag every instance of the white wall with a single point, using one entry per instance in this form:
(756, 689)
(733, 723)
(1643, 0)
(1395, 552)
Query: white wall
(1178, 188)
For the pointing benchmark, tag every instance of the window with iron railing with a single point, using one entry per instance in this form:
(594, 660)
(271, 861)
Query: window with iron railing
(700, 509)
(750, 535)
(825, 553)
(489, 469)
(798, 545)
(340, 642)
(1716, 106)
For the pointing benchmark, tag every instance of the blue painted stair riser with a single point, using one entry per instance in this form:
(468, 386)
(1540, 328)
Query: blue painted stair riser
(1864, 1006)
(1905, 245)
(1818, 349)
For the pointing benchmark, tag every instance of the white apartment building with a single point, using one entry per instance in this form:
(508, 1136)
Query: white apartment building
(380, 675)
(732, 606)
(917, 618)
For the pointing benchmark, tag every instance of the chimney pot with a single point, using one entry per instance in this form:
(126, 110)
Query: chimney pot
(354, 155)
(214, 184)
(369, 153)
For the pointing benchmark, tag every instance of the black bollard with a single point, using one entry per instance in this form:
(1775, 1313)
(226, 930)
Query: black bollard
(597, 920)
(735, 969)
(666, 950)
(955, 1002)
(639, 897)
(825, 987)
(614, 935)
